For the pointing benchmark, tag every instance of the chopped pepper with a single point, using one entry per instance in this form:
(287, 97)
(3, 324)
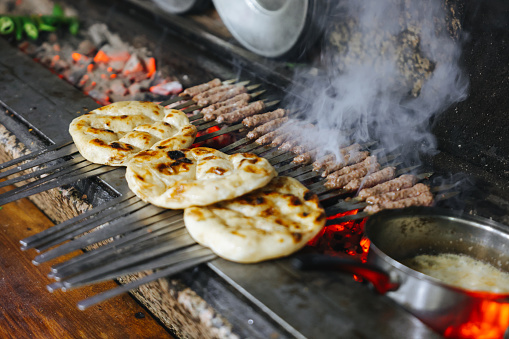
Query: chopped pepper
(6, 25)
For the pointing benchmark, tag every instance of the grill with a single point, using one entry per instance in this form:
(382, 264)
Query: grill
(274, 297)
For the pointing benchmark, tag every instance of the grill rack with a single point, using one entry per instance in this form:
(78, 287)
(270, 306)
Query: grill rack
(141, 236)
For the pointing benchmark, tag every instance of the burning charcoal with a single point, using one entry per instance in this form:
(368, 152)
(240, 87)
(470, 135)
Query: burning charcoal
(133, 65)
(86, 47)
(117, 87)
(167, 88)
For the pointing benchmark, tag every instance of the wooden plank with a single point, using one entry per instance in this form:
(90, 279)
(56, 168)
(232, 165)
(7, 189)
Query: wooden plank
(28, 310)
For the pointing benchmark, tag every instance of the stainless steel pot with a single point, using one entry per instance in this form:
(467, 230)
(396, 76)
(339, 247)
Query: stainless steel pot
(397, 235)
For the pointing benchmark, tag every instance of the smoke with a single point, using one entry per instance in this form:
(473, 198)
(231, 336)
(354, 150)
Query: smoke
(387, 68)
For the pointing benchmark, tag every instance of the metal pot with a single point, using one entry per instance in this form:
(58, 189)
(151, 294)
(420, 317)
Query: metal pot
(396, 235)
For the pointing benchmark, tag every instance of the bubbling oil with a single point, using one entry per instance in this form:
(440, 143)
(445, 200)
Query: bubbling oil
(461, 271)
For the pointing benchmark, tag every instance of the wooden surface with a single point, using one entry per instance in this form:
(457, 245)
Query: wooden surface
(28, 310)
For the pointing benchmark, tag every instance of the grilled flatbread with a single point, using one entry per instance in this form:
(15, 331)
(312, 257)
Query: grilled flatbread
(271, 222)
(112, 134)
(195, 177)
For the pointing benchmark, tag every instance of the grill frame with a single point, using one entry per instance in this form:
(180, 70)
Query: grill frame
(243, 286)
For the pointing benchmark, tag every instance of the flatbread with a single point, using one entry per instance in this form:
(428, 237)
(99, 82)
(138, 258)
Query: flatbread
(112, 134)
(271, 222)
(195, 177)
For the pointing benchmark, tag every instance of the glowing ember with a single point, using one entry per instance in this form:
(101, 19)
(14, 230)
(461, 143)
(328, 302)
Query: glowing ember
(115, 72)
(344, 239)
(101, 57)
(76, 56)
(490, 319)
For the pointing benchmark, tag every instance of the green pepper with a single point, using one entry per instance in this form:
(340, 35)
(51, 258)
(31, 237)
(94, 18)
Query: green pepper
(57, 10)
(43, 27)
(6, 25)
(19, 28)
(74, 26)
(29, 27)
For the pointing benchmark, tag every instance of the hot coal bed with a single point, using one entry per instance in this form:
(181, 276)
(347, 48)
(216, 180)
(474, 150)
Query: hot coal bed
(273, 299)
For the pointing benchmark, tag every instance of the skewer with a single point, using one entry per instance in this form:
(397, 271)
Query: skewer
(31, 242)
(214, 123)
(362, 215)
(168, 238)
(345, 206)
(132, 254)
(173, 258)
(37, 187)
(234, 145)
(131, 232)
(182, 265)
(37, 173)
(136, 211)
(68, 150)
(34, 154)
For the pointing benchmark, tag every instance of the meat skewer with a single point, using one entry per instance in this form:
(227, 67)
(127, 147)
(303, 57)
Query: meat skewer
(289, 145)
(423, 199)
(348, 159)
(331, 158)
(345, 170)
(401, 182)
(212, 91)
(241, 113)
(341, 181)
(269, 137)
(305, 158)
(224, 110)
(192, 91)
(398, 195)
(281, 138)
(299, 149)
(372, 179)
(266, 128)
(244, 97)
(264, 118)
(222, 96)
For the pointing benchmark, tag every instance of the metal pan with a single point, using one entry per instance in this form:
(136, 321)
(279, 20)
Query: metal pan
(396, 235)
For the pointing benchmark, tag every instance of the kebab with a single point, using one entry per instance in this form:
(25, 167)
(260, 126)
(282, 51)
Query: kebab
(241, 113)
(266, 127)
(213, 111)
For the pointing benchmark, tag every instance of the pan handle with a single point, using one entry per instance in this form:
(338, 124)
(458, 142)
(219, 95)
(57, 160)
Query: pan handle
(380, 279)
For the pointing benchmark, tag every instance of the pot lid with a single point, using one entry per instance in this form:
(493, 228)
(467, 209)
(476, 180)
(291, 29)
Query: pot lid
(269, 28)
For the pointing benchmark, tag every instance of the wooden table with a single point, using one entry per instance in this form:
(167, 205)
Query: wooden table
(29, 310)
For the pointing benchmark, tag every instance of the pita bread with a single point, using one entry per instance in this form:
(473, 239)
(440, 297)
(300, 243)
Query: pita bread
(271, 222)
(112, 134)
(195, 177)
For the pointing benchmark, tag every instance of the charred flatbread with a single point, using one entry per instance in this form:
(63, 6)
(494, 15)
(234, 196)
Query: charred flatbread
(271, 222)
(112, 134)
(195, 177)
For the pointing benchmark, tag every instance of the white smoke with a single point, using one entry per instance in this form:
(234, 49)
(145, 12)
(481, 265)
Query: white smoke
(390, 66)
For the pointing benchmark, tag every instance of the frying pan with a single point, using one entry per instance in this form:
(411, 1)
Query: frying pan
(396, 235)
